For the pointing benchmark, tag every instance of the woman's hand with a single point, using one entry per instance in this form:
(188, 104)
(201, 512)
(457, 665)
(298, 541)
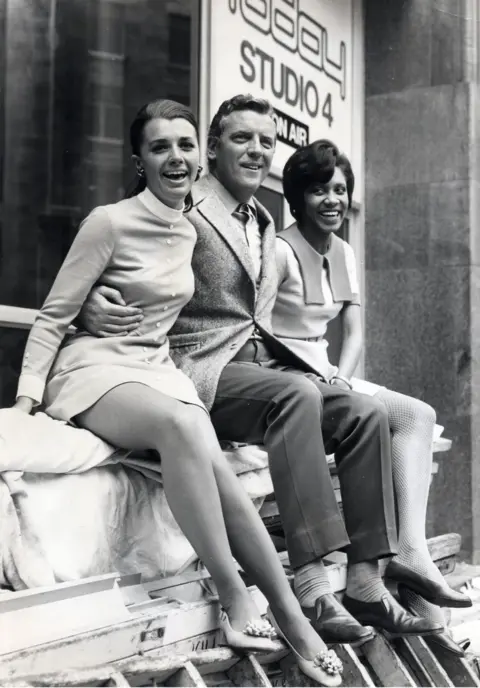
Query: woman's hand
(24, 404)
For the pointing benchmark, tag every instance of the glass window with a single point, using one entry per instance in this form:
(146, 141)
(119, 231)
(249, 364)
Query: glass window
(73, 73)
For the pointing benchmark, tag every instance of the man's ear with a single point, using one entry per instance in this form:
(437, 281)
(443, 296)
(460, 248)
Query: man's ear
(212, 149)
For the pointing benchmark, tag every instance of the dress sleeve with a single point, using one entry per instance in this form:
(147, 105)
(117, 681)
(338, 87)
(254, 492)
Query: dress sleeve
(352, 274)
(87, 259)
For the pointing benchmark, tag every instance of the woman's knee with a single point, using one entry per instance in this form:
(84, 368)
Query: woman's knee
(181, 423)
(423, 411)
(407, 410)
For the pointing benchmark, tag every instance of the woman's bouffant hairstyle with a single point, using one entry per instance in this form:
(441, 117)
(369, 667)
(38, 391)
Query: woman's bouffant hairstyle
(313, 163)
(157, 109)
(244, 101)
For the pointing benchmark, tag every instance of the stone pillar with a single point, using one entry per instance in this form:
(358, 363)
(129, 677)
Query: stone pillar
(421, 247)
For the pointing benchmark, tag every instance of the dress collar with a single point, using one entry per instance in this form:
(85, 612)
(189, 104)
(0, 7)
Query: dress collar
(312, 263)
(155, 205)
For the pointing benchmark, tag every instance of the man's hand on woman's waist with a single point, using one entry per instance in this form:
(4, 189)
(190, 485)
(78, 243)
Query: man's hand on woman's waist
(105, 313)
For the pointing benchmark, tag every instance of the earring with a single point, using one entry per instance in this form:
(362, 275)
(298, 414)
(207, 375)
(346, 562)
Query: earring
(140, 171)
(200, 168)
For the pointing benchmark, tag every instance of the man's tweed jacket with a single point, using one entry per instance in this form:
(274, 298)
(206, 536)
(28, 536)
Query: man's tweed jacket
(226, 306)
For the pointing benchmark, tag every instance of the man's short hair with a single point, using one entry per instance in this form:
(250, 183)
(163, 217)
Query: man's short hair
(243, 101)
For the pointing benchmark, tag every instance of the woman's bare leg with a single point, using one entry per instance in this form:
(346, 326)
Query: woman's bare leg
(134, 416)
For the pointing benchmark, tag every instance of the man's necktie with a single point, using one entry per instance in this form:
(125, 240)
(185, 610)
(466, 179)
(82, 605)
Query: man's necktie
(244, 213)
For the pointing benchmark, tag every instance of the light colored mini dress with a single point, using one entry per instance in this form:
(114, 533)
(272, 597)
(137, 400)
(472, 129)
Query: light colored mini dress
(144, 249)
(312, 291)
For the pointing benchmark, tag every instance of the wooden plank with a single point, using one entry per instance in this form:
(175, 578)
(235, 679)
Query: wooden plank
(427, 659)
(197, 643)
(85, 650)
(78, 677)
(442, 444)
(291, 675)
(411, 660)
(34, 617)
(457, 668)
(443, 546)
(354, 672)
(186, 677)
(140, 669)
(248, 672)
(385, 664)
(34, 597)
(159, 604)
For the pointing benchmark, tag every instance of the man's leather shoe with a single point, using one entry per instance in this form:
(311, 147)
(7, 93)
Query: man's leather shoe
(436, 593)
(334, 624)
(388, 615)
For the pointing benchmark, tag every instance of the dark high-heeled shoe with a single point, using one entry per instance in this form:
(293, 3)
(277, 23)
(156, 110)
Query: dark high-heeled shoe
(388, 615)
(436, 593)
(443, 639)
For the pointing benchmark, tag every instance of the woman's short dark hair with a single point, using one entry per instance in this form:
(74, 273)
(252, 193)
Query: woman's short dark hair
(164, 109)
(313, 163)
(244, 101)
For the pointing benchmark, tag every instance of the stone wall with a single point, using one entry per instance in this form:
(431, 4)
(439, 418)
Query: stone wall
(422, 282)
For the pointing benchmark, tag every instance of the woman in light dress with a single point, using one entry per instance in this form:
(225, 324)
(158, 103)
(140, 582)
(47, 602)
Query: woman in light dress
(127, 390)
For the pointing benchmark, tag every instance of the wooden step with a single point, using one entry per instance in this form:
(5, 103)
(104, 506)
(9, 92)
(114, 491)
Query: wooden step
(171, 642)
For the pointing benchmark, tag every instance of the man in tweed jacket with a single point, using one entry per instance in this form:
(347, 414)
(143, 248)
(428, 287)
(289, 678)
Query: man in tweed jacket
(222, 340)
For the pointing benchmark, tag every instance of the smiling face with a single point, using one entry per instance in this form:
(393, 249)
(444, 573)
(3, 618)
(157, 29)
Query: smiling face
(169, 156)
(326, 205)
(244, 151)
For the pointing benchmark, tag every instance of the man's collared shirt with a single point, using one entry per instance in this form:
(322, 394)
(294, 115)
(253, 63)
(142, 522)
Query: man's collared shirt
(250, 229)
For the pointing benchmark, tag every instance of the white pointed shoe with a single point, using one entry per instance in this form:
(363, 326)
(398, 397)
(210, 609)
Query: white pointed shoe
(257, 636)
(325, 668)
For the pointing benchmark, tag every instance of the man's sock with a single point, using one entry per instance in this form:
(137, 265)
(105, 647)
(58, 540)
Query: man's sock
(311, 582)
(364, 582)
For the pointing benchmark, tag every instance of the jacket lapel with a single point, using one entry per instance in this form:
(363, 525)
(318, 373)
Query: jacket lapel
(269, 263)
(212, 209)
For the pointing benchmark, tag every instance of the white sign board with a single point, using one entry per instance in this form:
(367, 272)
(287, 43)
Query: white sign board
(298, 54)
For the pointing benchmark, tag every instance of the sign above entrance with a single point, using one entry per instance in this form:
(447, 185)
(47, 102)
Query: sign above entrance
(290, 131)
(295, 53)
